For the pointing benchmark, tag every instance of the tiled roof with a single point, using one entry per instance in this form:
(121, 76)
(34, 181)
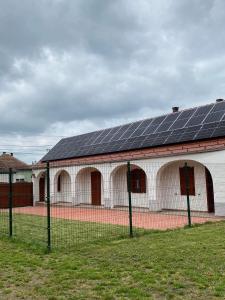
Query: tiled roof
(8, 161)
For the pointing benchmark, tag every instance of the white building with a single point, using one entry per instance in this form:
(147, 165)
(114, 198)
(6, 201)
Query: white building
(21, 171)
(91, 169)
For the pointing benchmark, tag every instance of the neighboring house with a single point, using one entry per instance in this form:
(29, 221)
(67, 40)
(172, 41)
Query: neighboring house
(21, 171)
(91, 168)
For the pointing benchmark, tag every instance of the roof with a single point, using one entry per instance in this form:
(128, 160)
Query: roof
(198, 123)
(9, 161)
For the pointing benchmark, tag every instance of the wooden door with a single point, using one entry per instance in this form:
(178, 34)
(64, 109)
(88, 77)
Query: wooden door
(209, 191)
(42, 189)
(96, 188)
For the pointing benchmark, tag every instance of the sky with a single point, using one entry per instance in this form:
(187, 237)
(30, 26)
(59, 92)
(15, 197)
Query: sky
(74, 66)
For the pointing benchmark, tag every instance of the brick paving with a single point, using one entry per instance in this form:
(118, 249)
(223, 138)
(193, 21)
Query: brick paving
(146, 220)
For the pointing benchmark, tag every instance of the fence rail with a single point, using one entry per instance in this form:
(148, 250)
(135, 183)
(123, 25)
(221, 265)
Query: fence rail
(60, 212)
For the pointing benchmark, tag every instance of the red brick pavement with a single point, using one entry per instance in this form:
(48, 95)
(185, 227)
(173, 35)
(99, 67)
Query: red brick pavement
(146, 220)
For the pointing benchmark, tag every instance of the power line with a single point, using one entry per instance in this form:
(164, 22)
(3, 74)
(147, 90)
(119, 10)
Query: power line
(26, 146)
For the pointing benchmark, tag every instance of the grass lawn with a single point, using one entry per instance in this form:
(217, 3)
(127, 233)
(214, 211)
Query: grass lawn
(179, 264)
(64, 233)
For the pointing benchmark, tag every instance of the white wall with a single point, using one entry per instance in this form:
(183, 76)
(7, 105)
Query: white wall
(214, 161)
(26, 175)
(120, 194)
(4, 178)
(83, 187)
(64, 195)
(168, 188)
(35, 180)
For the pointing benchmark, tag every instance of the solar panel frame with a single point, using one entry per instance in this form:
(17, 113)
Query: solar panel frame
(213, 117)
(179, 123)
(195, 120)
(193, 124)
(188, 113)
(164, 127)
(219, 106)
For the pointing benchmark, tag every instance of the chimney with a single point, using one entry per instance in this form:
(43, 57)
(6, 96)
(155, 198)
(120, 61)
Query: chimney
(219, 100)
(11, 154)
(175, 109)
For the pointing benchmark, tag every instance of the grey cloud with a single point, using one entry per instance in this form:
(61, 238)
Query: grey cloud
(97, 60)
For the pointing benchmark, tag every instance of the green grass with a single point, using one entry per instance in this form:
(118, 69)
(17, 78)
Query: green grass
(64, 233)
(179, 264)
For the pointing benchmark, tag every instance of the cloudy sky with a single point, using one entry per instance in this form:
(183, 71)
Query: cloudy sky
(73, 66)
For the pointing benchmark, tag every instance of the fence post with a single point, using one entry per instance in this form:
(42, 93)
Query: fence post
(48, 209)
(187, 184)
(129, 198)
(10, 202)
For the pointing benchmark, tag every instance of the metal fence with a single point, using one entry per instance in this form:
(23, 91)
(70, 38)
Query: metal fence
(61, 211)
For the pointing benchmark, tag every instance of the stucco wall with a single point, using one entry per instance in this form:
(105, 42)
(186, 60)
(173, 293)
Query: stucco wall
(26, 175)
(64, 195)
(114, 188)
(120, 193)
(168, 188)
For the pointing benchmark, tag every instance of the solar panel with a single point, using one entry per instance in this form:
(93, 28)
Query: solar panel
(219, 106)
(158, 120)
(214, 117)
(173, 138)
(204, 133)
(140, 130)
(120, 132)
(193, 124)
(203, 110)
(172, 117)
(164, 126)
(110, 134)
(150, 129)
(195, 120)
(187, 113)
(179, 124)
(219, 131)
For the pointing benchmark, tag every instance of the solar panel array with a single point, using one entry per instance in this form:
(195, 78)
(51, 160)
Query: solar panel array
(188, 125)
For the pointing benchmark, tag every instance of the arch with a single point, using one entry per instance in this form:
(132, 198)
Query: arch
(171, 186)
(41, 179)
(118, 180)
(62, 186)
(89, 186)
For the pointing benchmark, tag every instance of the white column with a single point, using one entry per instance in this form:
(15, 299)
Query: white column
(152, 187)
(107, 195)
(35, 190)
(73, 188)
(218, 177)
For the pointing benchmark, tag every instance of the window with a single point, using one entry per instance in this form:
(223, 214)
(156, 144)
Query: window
(138, 181)
(59, 184)
(20, 180)
(191, 179)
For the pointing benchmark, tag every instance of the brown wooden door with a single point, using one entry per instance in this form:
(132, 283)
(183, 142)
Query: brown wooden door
(210, 192)
(42, 189)
(96, 188)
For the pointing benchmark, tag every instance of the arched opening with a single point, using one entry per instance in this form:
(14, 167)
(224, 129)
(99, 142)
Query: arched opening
(62, 187)
(209, 191)
(138, 186)
(89, 187)
(171, 186)
(42, 186)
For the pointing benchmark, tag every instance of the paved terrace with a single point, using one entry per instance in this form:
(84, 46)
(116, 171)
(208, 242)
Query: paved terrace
(146, 220)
